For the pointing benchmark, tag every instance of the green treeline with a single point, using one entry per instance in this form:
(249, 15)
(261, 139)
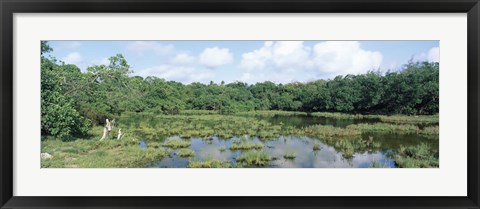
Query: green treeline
(73, 101)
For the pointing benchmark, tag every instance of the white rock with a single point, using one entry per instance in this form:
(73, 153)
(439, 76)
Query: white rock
(46, 156)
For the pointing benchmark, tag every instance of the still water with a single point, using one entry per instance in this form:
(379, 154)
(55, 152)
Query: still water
(356, 153)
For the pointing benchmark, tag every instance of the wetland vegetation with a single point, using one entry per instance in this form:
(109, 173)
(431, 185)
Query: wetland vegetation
(187, 141)
(370, 120)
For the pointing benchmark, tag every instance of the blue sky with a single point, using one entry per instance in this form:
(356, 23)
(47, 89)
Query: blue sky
(248, 61)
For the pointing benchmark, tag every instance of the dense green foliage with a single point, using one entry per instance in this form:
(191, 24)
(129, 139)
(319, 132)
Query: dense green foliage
(60, 116)
(73, 100)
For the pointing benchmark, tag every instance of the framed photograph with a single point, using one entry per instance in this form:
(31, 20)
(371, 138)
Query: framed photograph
(239, 104)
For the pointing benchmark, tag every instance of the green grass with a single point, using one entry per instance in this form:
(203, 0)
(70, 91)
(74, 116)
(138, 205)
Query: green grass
(419, 156)
(204, 126)
(211, 163)
(254, 158)
(329, 131)
(89, 152)
(385, 128)
(400, 119)
(336, 115)
(347, 147)
(289, 155)
(246, 146)
(175, 143)
(92, 153)
(376, 164)
(154, 144)
(198, 112)
(228, 126)
(71, 150)
(186, 153)
(430, 131)
(267, 113)
(418, 119)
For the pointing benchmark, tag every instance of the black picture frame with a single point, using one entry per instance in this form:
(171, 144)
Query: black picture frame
(10, 7)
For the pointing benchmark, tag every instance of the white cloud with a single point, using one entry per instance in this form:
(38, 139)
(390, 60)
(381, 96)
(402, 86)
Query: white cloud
(344, 57)
(77, 59)
(281, 55)
(73, 58)
(177, 73)
(290, 55)
(433, 55)
(246, 77)
(142, 47)
(182, 59)
(215, 57)
(257, 60)
(287, 58)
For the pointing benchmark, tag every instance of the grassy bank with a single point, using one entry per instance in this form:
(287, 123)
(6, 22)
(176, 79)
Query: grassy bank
(89, 152)
(267, 113)
(398, 119)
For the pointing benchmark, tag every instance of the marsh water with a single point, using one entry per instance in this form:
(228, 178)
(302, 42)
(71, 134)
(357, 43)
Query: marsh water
(360, 152)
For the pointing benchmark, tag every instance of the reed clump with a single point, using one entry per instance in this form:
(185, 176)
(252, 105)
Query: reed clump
(336, 115)
(418, 156)
(246, 146)
(330, 131)
(176, 142)
(254, 158)
(211, 163)
(186, 153)
(384, 128)
(289, 155)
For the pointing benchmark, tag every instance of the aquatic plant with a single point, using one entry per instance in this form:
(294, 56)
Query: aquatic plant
(272, 113)
(159, 131)
(419, 156)
(153, 144)
(413, 119)
(347, 147)
(198, 112)
(384, 128)
(246, 146)
(430, 131)
(176, 143)
(329, 131)
(254, 158)
(337, 115)
(289, 155)
(400, 119)
(186, 153)
(211, 163)
(376, 164)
